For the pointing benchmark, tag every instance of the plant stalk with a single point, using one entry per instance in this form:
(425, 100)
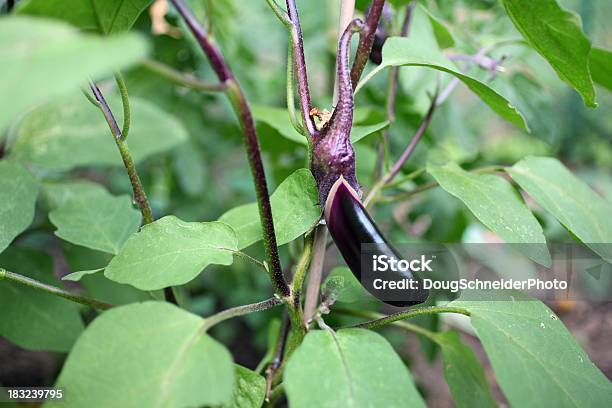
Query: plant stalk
(315, 273)
(300, 68)
(407, 314)
(240, 311)
(139, 194)
(366, 40)
(24, 280)
(243, 112)
(181, 79)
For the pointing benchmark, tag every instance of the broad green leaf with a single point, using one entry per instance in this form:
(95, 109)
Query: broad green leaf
(42, 60)
(464, 372)
(536, 361)
(90, 216)
(18, 192)
(295, 209)
(556, 34)
(278, 118)
(351, 368)
(30, 318)
(72, 132)
(171, 252)
(249, 389)
(420, 49)
(582, 211)
(149, 354)
(104, 16)
(497, 205)
(601, 66)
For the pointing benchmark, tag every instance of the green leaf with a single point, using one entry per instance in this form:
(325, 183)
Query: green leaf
(18, 192)
(420, 49)
(42, 60)
(463, 372)
(601, 67)
(249, 390)
(497, 205)
(556, 34)
(78, 275)
(89, 216)
(104, 16)
(568, 199)
(171, 252)
(72, 132)
(351, 368)
(359, 132)
(278, 119)
(536, 361)
(30, 318)
(149, 354)
(295, 209)
(443, 35)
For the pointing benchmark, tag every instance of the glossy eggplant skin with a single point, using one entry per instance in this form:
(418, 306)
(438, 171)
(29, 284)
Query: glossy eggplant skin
(351, 226)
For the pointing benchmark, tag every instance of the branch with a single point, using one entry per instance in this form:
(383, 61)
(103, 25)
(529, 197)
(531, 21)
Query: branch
(392, 93)
(243, 112)
(239, 311)
(125, 101)
(374, 316)
(413, 143)
(24, 280)
(277, 359)
(181, 79)
(315, 273)
(300, 68)
(366, 40)
(407, 314)
(139, 194)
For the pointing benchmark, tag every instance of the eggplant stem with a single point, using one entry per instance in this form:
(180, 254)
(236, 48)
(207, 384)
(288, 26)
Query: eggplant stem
(217, 318)
(293, 23)
(410, 313)
(33, 283)
(178, 78)
(392, 95)
(366, 40)
(243, 112)
(315, 273)
(399, 323)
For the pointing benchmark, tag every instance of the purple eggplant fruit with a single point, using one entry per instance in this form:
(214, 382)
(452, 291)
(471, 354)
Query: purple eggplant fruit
(359, 241)
(333, 167)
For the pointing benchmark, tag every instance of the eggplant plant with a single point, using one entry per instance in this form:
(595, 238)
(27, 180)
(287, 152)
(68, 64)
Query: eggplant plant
(144, 263)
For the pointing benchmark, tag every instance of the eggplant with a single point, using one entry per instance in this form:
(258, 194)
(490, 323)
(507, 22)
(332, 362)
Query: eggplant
(359, 241)
(333, 167)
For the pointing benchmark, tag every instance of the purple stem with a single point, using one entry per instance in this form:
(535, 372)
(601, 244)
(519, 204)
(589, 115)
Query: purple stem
(366, 40)
(392, 96)
(242, 110)
(300, 69)
(413, 143)
(212, 52)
